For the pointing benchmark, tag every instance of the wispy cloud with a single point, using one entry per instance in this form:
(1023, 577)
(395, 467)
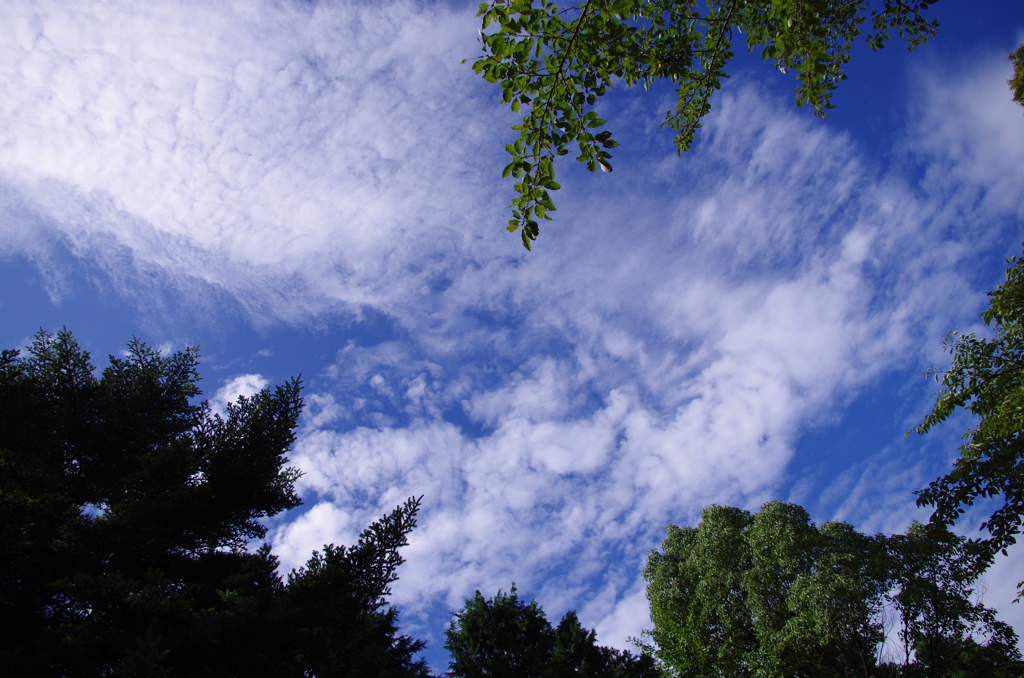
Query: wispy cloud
(650, 381)
(682, 323)
(282, 151)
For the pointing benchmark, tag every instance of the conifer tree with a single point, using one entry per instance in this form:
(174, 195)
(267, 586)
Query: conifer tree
(126, 507)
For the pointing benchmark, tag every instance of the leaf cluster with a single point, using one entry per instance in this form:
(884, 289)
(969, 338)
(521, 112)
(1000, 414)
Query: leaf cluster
(986, 378)
(1017, 81)
(557, 61)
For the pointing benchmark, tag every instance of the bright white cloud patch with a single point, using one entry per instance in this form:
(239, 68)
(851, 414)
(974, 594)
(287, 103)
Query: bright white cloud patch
(322, 524)
(282, 150)
(682, 323)
(244, 385)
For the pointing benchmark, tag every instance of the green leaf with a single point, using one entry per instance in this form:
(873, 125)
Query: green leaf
(560, 58)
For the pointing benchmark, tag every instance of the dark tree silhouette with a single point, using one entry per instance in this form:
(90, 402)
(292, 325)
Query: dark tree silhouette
(125, 510)
(505, 637)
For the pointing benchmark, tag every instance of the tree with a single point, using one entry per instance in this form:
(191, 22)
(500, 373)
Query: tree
(938, 619)
(986, 378)
(126, 508)
(1017, 81)
(557, 59)
(765, 594)
(337, 604)
(504, 637)
(499, 637)
(771, 594)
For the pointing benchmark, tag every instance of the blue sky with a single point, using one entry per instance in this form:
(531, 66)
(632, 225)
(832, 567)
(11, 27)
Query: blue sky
(315, 188)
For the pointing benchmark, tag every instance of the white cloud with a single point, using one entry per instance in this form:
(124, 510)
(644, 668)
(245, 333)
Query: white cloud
(678, 328)
(321, 525)
(279, 151)
(622, 621)
(694, 366)
(246, 385)
(998, 587)
(975, 127)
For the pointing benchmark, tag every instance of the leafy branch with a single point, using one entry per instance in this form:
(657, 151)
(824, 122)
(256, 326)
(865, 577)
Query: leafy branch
(557, 67)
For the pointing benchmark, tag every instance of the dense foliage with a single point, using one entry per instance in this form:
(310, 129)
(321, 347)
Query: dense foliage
(1017, 81)
(556, 59)
(504, 637)
(986, 378)
(125, 511)
(771, 594)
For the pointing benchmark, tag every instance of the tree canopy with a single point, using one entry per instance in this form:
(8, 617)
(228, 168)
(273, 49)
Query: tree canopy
(932, 572)
(771, 594)
(557, 59)
(126, 508)
(505, 637)
(986, 378)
